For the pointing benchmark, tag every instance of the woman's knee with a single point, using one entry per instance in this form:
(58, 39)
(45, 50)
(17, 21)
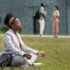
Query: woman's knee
(18, 60)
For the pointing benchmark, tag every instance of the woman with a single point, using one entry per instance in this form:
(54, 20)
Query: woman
(55, 17)
(21, 54)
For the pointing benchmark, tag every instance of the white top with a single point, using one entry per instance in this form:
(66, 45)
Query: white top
(43, 11)
(56, 13)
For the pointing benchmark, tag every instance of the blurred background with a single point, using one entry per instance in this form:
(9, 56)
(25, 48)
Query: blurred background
(25, 10)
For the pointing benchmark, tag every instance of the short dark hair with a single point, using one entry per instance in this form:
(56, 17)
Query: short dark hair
(42, 4)
(7, 18)
(56, 7)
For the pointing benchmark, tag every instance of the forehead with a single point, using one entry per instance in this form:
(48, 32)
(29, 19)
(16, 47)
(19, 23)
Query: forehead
(16, 20)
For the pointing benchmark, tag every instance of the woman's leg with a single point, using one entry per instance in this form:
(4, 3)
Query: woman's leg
(18, 60)
(54, 29)
(32, 60)
(42, 25)
(57, 27)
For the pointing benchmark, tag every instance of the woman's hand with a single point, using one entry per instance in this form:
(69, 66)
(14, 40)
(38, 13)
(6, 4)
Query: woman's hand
(42, 54)
(52, 15)
(28, 56)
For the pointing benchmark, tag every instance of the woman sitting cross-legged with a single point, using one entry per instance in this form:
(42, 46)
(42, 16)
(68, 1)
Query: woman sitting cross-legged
(22, 55)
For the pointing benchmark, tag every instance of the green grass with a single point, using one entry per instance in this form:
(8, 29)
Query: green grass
(57, 52)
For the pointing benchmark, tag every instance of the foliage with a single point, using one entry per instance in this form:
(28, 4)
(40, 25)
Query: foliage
(4, 28)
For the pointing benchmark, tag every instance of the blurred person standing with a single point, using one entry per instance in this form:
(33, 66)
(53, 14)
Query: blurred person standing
(42, 19)
(55, 17)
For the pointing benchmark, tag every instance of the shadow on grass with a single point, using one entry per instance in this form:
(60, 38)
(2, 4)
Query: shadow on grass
(11, 68)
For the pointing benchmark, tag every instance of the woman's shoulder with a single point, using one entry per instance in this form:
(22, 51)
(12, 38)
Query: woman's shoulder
(57, 11)
(8, 33)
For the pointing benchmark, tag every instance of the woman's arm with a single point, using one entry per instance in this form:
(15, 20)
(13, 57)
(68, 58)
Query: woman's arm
(28, 49)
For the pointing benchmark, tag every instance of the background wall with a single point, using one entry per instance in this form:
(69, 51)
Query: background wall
(68, 16)
(25, 10)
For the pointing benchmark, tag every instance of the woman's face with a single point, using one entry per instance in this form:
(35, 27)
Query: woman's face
(17, 24)
(55, 8)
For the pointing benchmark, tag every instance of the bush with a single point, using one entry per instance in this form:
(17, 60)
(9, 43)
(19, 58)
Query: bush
(4, 28)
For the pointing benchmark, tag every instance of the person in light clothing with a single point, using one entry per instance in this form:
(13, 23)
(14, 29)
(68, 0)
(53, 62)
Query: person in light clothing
(42, 18)
(21, 53)
(55, 17)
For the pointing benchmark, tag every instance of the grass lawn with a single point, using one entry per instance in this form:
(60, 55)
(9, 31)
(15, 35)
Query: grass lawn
(57, 52)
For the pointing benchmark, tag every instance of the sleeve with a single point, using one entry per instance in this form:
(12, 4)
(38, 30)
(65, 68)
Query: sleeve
(42, 10)
(9, 45)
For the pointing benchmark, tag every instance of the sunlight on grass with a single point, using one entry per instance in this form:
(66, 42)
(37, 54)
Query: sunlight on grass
(57, 52)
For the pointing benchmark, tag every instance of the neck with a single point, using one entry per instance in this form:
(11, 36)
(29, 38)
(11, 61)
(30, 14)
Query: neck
(14, 30)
